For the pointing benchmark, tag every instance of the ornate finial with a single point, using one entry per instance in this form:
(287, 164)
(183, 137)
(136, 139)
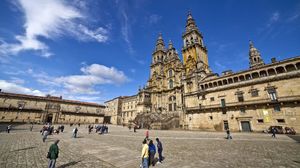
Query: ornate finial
(190, 14)
(170, 44)
(251, 44)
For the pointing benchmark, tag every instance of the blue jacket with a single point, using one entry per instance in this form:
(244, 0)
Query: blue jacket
(152, 148)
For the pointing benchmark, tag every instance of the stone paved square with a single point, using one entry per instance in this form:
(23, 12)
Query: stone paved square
(121, 148)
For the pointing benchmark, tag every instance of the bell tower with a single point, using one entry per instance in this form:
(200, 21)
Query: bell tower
(255, 59)
(194, 51)
(158, 57)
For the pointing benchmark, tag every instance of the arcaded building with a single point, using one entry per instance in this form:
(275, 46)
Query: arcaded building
(49, 109)
(189, 93)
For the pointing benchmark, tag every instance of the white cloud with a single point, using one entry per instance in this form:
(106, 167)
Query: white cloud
(154, 18)
(273, 19)
(50, 19)
(16, 88)
(92, 76)
(17, 80)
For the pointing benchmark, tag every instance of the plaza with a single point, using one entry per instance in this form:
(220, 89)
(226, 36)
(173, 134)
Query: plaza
(121, 148)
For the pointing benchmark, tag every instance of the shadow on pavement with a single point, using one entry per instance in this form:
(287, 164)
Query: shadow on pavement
(295, 137)
(69, 164)
(32, 147)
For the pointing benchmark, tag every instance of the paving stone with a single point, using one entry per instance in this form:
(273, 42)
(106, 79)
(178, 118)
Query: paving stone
(121, 148)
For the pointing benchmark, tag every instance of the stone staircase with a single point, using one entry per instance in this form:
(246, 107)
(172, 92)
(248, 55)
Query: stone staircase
(156, 120)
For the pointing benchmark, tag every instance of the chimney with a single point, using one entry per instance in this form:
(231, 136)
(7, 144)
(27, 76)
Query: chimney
(273, 60)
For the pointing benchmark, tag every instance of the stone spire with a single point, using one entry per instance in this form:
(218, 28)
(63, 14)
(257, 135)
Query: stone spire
(190, 23)
(160, 43)
(255, 59)
(170, 45)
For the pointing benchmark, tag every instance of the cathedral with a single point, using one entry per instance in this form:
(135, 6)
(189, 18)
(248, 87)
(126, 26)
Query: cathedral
(187, 94)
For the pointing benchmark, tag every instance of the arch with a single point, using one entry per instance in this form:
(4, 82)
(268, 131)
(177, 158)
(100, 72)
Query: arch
(255, 75)
(206, 86)
(254, 59)
(230, 80)
(271, 72)
(280, 70)
(248, 76)
(202, 87)
(262, 73)
(192, 40)
(170, 84)
(242, 78)
(220, 83)
(298, 65)
(235, 79)
(170, 72)
(225, 82)
(210, 85)
(290, 67)
(215, 84)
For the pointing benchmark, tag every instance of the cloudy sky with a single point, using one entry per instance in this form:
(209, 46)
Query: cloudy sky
(96, 50)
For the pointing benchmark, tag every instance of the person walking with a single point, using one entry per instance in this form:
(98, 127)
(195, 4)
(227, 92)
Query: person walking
(159, 150)
(53, 154)
(152, 151)
(75, 130)
(45, 134)
(228, 134)
(145, 154)
(8, 128)
(147, 134)
(273, 130)
(31, 127)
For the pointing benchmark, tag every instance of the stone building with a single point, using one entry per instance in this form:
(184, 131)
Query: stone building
(38, 109)
(189, 95)
(113, 109)
(129, 109)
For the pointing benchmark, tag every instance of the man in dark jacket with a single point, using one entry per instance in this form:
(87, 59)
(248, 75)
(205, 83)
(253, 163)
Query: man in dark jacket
(159, 150)
(53, 154)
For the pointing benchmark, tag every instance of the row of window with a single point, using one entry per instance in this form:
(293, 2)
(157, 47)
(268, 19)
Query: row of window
(262, 73)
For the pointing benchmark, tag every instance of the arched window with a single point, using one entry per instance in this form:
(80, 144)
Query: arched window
(172, 103)
(170, 73)
(170, 83)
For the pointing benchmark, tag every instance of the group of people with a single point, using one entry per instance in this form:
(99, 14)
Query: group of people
(149, 151)
(101, 129)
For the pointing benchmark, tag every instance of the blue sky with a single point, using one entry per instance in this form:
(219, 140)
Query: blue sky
(97, 50)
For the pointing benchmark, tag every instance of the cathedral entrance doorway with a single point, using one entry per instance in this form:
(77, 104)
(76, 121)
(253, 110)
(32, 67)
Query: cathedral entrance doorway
(246, 126)
(49, 118)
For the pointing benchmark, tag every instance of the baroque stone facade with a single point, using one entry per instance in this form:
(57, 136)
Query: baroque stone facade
(188, 92)
(38, 109)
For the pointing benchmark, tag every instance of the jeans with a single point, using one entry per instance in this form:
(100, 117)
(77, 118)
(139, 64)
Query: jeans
(151, 158)
(145, 163)
(52, 163)
(160, 155)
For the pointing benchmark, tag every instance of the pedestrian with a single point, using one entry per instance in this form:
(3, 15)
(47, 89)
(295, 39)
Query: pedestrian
(45, 134)
(147, 134)
(134, 128)
(159, 150)
(228, 134)
(145, 154)
(62, 127)
(53, 154)
(273, 130)
(8, 128)
(31, 127)
(75, 130)
(152, 151)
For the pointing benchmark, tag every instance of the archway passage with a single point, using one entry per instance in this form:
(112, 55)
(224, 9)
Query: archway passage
(49, 118)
